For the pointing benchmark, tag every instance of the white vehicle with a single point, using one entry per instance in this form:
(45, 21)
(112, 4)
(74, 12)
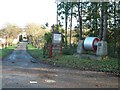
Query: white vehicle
(25, 39)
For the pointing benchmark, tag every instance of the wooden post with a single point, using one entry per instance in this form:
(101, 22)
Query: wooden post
(61, 48)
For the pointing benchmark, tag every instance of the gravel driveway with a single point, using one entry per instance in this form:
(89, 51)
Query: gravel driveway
(20, 70)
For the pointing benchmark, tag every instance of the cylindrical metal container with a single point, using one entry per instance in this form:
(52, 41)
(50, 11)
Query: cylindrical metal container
(90, 43)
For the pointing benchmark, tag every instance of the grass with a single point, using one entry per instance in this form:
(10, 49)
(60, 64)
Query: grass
(36, 53)
(71, 61)
(109, 65)
(6, 51)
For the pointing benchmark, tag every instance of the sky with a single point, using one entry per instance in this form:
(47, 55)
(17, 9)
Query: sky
(21, 12)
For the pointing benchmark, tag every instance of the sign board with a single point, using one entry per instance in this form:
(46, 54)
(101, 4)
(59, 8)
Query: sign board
(57, 38)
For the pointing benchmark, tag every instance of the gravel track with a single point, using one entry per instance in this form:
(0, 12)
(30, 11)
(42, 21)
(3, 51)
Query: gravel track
(18, 71)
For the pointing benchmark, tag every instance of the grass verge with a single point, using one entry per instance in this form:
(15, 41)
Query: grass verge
(108, 65)
(6, 51)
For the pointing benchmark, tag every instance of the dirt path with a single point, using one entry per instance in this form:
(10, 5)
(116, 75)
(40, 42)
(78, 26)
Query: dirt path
(20, 72)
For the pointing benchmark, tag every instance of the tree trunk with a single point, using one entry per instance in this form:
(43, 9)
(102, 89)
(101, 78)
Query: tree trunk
(105, 23)
(105, 27)
(71, 23)
(96, 27)
(115, 30)
(80, 20)
(66, 18)
(101, 22)
(57, 17)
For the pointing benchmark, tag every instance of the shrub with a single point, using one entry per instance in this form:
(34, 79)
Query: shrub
(69, 50)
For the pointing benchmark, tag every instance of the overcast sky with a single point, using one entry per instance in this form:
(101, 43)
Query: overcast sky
(21, 12)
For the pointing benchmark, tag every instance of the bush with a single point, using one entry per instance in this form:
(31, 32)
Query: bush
(69, 50)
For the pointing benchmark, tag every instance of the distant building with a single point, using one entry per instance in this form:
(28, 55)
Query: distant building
(2, 40)
(24, 36)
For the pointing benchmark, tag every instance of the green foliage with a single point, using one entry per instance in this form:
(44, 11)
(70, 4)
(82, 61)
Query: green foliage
(6, 51)
(0, 52)
(69, 50)
(92, 20)
(48, 37)
(110, 65)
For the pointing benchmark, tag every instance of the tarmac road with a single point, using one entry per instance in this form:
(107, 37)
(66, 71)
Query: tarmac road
(20, 71)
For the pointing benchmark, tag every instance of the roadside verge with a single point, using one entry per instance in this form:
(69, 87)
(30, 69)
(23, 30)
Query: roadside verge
(110, 65)
(6, 51)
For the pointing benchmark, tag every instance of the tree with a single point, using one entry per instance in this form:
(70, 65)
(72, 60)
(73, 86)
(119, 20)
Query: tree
(48, 38)
(80, 19)
(100, 19)
(63, 12)
(35, 33)
(10, 32)
(66, 18)
(71, 22)
(118, 28)
(105, 21)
